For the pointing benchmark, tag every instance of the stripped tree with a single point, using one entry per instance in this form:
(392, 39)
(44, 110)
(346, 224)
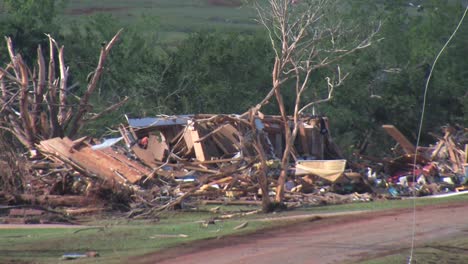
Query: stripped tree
(37, 105)
(305, 37)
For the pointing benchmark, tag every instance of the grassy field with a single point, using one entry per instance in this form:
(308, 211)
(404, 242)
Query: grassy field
(176, 18)
(115, 240)
(118, 238)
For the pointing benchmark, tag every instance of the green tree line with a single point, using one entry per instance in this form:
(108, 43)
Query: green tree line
(227, 72)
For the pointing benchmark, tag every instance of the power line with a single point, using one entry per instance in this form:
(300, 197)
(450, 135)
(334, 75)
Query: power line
(423, 110)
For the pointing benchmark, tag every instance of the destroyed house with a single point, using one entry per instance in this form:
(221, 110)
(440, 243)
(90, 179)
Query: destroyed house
(211, 137)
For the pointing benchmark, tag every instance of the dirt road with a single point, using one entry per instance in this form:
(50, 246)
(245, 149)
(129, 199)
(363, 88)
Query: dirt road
(332, 240)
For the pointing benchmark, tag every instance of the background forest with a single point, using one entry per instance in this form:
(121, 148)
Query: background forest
(210, 56)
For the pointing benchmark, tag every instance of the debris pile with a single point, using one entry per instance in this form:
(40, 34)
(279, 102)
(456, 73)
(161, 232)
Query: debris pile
(159, 162)
(439, 168)
(171, 162)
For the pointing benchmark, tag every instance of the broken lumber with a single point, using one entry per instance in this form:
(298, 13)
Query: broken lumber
(221, 202)
(94, 162)
(51, 200)
(407, 146)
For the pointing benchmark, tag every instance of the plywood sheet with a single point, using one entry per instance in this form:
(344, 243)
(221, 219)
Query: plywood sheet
(94, 161)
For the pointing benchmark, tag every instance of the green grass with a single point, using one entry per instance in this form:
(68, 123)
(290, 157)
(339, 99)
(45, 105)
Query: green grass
(116, 241)
(177, 18)
(385, 204)
(120, 238)
(453, 251)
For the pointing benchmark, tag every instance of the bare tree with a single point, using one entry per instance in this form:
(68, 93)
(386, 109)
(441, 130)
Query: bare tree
(37, 105)
(305, 38)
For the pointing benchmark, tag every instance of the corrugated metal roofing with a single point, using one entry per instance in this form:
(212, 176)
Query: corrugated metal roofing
(158, 121)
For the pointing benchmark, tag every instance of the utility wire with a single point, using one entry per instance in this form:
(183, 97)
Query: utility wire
(426, 88)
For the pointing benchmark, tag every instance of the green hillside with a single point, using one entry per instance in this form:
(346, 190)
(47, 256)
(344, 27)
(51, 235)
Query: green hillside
(176, 17)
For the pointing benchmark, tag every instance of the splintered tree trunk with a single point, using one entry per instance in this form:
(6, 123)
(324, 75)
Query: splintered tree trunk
(41, 98)
(262, 178)
(287, 150)
(262, 173)
(280, 187)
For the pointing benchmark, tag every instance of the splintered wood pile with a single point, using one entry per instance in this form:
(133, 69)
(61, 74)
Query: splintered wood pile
(36, 106)
(103, 164)
(438, 168)
(166, 161)
(449, 154)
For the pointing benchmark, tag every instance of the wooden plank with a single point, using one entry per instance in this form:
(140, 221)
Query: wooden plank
(198, 146)
(225, 202)
(179, 130)
(144, 155)
(221, 145)
(211, 133)
(127, 136)
(453, 157)
(209, 146)
(94, 161)
(188, 141)
(53, 200)
(407, 146)
(188, 167)
(439, 146)
(137, 166)
(227, 139)
(25, 212)
(215, 161)
(230, 132)
(78, 142)
(303, 137)
(466, 153)
(157, 146)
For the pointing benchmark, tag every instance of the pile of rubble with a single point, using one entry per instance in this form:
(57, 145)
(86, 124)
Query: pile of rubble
(438, 168)
(160, 162)
(172, 162)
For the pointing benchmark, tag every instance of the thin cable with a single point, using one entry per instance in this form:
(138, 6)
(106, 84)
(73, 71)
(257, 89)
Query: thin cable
(426, 88)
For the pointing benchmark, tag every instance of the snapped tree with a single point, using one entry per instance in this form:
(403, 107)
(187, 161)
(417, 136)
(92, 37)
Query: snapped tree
(37, 104)
(306, 36)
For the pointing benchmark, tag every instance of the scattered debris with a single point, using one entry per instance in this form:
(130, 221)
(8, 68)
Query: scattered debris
(168, 236)
(72, 256)
(176, 162)
(241, 226)
(437, 169)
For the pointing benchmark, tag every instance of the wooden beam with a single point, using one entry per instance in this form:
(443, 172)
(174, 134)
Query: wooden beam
(407, 146)
(159, 149)
(466, 153)
(95, 162)
(304, 141)
(197, 145)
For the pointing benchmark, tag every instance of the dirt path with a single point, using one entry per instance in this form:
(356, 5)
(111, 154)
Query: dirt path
(38, 226)
(332, 240)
